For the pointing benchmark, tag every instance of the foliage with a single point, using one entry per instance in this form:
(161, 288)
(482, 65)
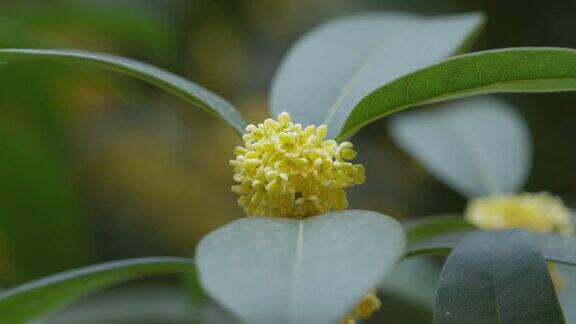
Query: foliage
(346, 74)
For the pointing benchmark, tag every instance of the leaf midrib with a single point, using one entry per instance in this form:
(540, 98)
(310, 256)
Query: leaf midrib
(295, 274)
(351, 83)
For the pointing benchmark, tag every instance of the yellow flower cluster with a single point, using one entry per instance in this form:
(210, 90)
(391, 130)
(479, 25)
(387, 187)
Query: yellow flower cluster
(536, 212)
(285, 170)
(369, 304)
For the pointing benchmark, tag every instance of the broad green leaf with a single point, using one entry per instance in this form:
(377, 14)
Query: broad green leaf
(335, 65)
(478, 146)
(30, 300)
(429, 226)
(177, 85)
(503, 70)
(496, 277)
(414, 281)
(280, 270)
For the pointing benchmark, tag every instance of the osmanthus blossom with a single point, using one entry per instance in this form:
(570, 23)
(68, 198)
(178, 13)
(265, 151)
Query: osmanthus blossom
(535, 212)
(287, 170)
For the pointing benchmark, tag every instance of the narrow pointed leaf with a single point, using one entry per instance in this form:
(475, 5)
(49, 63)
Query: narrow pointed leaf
(556, 248)
(335, 65)
(146, 303)
(495, 71)
(30, 300)
(430, 226)
(478, 146)
(496, 277)
(279, 270)
(440, 244)
(189, 91)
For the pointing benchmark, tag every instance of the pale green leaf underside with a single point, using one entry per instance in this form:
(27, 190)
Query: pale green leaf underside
(187, 90)
(335, 65)
(30, 300)
(280, 270)
(413, 281)
(477, 146)
(567, 293)
(496, 71)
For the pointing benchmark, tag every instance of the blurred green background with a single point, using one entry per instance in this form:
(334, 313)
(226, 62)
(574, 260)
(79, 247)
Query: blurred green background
(97, 167)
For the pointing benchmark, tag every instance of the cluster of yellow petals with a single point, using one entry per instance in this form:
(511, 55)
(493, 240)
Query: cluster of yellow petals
(535, 212)
(285, 170)
(369, 304)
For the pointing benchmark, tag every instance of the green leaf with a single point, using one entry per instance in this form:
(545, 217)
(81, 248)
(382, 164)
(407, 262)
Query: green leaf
(478, 147)
(335, 65)
(503, 70)
(496, 277)
(556, 248)
(429, 226)
(141, 304)
(170, 82)
(281, 270)
(437, 244)
(30, 300)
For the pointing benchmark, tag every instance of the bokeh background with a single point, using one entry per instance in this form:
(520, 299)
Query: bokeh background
(96, 167)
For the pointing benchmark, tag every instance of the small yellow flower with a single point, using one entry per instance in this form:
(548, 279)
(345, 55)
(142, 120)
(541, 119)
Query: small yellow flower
(369, 304)
(536, 212)
(286, 170)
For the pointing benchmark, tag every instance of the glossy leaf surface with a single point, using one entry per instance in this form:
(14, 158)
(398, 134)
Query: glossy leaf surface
(495, 71)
